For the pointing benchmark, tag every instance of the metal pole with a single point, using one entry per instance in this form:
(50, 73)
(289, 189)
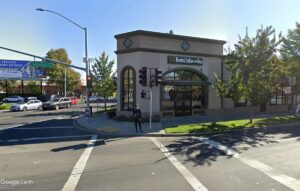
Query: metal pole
(65, 82)
(87, 74)
(43, 58)
(87, 68)
(41, 87)
(22, 86)
(6, 88)
(150, 117)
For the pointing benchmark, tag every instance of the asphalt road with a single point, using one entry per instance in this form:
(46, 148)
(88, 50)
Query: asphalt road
(44, 151)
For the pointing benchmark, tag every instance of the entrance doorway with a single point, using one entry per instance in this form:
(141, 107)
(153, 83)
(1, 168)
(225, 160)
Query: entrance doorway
(184, 92)
(183, 101)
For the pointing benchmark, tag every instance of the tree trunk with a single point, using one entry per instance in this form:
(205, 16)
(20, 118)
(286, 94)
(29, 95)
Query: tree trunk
(105, 104)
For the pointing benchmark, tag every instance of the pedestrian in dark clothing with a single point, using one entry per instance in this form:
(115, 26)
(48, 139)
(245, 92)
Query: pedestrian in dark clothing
(137, 115)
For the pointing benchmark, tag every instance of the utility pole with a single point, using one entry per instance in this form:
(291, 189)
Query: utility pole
(86, 59)
(65, 82)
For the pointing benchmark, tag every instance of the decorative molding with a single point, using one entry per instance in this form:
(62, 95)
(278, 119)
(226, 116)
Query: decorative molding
(169, 36)
(167, 52)
(127, 43)
(185, 45)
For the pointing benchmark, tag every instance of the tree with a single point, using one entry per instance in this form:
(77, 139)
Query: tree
(255, 68)
(33, 87)
(103, 77)
(290, 53)
(11, 85)
(57, 73)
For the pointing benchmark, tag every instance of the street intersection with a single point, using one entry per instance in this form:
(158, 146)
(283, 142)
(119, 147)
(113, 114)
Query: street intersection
(44, 151)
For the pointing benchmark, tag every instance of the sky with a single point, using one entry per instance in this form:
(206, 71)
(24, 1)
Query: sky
(25, 29)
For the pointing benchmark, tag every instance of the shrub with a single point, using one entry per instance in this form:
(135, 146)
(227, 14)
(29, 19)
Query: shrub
(111, 113)
(4, 106)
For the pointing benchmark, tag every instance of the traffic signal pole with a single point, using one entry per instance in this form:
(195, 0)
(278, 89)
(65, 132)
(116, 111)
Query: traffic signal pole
(154, 80)
(150, 114)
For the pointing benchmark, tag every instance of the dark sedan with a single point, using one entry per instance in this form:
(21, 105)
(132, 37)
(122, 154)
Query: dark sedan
(57, 103)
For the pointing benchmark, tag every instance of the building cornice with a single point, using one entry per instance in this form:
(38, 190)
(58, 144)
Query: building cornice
(167, 52)
(168, 36)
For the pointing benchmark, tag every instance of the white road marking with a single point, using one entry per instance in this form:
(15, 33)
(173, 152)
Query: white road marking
(5, 118)
(194, 182)
(275, 174)
(79, 167)
(221, 147)
(288, 139)
(44, 138)
(271, 172)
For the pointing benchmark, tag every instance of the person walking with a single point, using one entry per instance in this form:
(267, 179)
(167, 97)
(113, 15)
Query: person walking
(137, 115)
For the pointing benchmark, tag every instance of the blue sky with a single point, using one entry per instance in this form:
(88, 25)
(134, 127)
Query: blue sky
(25, 29)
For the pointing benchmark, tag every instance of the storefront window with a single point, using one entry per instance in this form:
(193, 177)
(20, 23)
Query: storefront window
(279, 98)
(128, 89)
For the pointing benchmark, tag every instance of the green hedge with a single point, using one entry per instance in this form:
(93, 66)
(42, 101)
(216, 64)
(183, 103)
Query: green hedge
(4, 106)
(111, 113)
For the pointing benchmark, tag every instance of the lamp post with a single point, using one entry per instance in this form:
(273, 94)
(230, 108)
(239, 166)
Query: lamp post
(87, 66)
(65, 81)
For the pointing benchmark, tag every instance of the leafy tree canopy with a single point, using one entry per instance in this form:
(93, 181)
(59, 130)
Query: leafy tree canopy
(57, 73)
(102, 71)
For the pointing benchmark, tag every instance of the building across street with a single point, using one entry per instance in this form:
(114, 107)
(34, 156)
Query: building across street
(188, 66)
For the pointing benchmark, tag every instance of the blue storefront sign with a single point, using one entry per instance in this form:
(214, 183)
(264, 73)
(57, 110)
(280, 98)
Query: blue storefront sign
(19, 69)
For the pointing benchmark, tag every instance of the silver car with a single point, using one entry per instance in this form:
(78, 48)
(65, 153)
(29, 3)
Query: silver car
(13, 99)
(30, 105)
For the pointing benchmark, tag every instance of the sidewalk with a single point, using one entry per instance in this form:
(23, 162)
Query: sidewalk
(101, 123)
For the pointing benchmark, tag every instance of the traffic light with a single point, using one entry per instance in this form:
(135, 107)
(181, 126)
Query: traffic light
(89, 82)
(143, 76)
(143, 94)
(158, 77)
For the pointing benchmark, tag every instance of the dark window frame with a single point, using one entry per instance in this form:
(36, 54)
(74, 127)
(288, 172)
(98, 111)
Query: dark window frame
(133, 85)
(280, 95)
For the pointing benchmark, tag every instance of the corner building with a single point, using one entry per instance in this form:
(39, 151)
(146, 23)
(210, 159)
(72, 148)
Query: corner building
(188, 65)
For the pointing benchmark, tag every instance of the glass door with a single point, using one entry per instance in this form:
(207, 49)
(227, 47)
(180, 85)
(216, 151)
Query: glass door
(183, 100)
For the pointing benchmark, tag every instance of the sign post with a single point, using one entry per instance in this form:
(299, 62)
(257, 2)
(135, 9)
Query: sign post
(150, 117)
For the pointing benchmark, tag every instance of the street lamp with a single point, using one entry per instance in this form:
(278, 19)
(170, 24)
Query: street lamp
(65, 81)
(87, 66)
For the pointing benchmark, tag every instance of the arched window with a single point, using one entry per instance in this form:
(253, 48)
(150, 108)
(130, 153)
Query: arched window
(128, 88)
(183, 75)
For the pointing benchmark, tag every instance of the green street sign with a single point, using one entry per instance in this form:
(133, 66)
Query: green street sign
(42, 64)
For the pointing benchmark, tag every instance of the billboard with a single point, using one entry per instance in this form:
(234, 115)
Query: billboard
(19, 70)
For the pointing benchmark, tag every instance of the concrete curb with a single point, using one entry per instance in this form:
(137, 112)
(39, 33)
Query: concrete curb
(79, 126)
(76, 124)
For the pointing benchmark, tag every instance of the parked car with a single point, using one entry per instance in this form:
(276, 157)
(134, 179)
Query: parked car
(74, 100)
(29, 105)
(92, 99)
(31, 98)
(13, 99)
(57, 103)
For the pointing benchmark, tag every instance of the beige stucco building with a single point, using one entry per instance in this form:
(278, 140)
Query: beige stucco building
(188, 65)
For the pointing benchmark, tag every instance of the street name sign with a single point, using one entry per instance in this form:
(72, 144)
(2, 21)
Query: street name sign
(42, 64)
